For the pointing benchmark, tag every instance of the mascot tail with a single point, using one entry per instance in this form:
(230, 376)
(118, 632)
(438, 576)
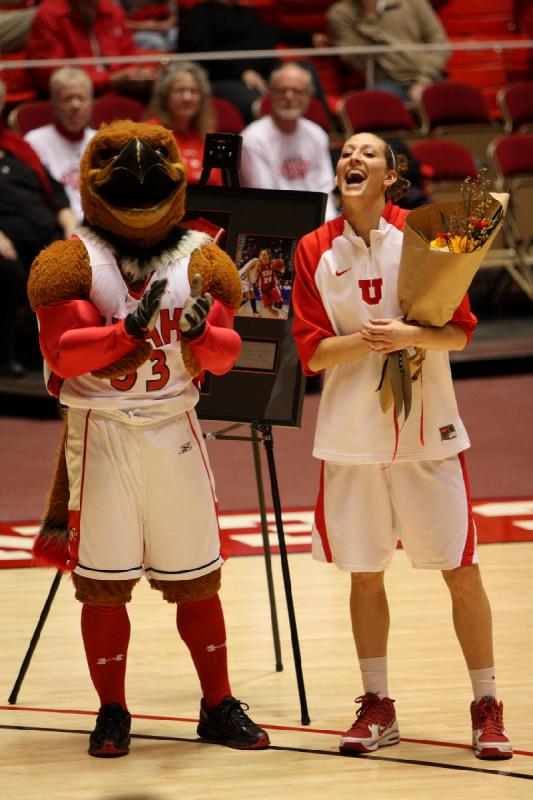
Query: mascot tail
(50, 548)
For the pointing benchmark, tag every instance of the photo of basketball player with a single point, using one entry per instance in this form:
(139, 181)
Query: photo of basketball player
(265, 268)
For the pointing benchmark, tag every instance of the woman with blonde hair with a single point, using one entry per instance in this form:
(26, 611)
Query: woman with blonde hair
(181, 101)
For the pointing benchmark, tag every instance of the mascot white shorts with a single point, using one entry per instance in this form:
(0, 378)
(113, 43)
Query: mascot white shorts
(363, 510)
(141, 497)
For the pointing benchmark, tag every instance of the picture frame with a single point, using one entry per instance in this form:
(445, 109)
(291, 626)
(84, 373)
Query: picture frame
(266, 385)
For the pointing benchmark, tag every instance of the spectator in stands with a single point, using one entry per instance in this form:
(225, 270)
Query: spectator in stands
(16, 17)
(60, 145)
(284, 150)
(87, 28)
(154, 25)
(34, 211)
(181, 101)
(383, 22)
(224, 25)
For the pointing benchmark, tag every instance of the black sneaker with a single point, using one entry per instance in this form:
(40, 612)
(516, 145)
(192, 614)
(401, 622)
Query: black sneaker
(228, 724)
(111, 736)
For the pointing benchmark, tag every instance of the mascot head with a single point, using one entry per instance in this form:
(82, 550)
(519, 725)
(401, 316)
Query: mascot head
(132, 182)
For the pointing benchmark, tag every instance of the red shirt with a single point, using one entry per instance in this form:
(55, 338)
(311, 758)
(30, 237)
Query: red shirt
(56, 33)
(191, 148)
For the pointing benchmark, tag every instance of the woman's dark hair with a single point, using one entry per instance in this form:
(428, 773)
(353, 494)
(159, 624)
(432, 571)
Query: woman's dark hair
(399, 164)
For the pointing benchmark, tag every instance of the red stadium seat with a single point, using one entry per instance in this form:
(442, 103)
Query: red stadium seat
(110, 107)
(495, 19)
(458, 111)
(453, 103)
(449, 162)
(516, 103)
(228, 117)
(512, 156)
(374, 111)
(27, 116)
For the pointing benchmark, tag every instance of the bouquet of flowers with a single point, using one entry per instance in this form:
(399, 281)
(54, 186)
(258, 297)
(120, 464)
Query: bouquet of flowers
(443, 247)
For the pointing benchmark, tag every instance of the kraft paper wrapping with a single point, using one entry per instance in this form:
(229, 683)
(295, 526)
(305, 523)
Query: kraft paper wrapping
(431, 285)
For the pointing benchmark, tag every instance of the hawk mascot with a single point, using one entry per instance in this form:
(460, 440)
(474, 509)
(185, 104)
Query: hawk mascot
(130, 311)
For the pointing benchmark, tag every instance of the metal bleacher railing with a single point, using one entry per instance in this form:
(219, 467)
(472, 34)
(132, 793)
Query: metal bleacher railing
(370, 51)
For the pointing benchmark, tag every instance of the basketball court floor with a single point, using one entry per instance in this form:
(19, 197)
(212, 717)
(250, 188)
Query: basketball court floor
(43, 737)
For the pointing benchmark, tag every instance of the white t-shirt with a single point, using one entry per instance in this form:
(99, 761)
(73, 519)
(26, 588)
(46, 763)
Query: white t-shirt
(61, 157)
(341, 284)
(272, 159)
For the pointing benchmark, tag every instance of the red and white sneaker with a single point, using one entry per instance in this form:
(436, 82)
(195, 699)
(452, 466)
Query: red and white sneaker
(489, 739)
(375, 725)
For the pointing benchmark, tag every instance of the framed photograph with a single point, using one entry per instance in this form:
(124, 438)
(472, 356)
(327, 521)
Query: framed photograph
(259, 229)
(265, 267)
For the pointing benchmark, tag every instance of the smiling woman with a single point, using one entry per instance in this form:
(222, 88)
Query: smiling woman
(380, 483)
(181, 101)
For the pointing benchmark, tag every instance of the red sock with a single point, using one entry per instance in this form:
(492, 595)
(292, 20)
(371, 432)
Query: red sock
(201, 626)
(106, 634)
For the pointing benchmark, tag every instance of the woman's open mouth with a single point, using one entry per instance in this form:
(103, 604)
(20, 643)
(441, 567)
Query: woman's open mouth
(354, 177)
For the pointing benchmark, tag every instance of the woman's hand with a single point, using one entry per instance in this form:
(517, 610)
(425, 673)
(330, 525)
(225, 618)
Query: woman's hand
(7, 248)
(67, 221)
(387, 335)
(253, 80)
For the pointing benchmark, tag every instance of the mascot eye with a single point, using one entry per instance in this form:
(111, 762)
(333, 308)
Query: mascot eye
(162, 150)
(106, 154)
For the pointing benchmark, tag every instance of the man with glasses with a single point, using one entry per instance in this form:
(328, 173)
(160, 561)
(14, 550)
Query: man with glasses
(283, 149)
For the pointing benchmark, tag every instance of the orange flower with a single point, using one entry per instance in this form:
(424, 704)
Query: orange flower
(462, 244)
(441, 241)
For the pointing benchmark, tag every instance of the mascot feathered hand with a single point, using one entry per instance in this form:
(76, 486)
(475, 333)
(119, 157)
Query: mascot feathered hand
(132, 185)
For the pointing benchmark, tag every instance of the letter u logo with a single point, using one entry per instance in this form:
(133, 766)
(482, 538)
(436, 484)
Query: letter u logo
(371, 290)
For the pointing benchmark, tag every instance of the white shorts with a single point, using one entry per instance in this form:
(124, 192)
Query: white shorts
(141, 497)
(363, 510)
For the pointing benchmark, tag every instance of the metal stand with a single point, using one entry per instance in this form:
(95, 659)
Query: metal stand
(12, 699)
(263, 433)
(266, 549)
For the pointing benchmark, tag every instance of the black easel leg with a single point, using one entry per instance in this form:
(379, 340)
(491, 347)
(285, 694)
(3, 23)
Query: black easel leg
(268, 442)
(266, 549)
(35, 638)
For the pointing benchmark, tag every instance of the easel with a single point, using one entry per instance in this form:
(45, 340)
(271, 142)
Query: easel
(263, 433)
(223, 151)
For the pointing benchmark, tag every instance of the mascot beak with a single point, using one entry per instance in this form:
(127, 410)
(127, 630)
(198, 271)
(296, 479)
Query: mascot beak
(137, 158)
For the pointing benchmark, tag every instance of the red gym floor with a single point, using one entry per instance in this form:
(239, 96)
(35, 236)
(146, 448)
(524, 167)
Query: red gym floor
(497, 411)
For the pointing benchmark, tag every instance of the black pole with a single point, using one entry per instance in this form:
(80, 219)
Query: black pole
(266, 548)
(35, 638)
(268, 442)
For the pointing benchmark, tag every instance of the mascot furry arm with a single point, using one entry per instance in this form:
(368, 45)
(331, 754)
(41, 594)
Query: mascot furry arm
(139, 221)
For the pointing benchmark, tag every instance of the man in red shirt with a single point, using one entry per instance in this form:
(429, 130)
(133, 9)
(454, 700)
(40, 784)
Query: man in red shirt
(87, 28)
